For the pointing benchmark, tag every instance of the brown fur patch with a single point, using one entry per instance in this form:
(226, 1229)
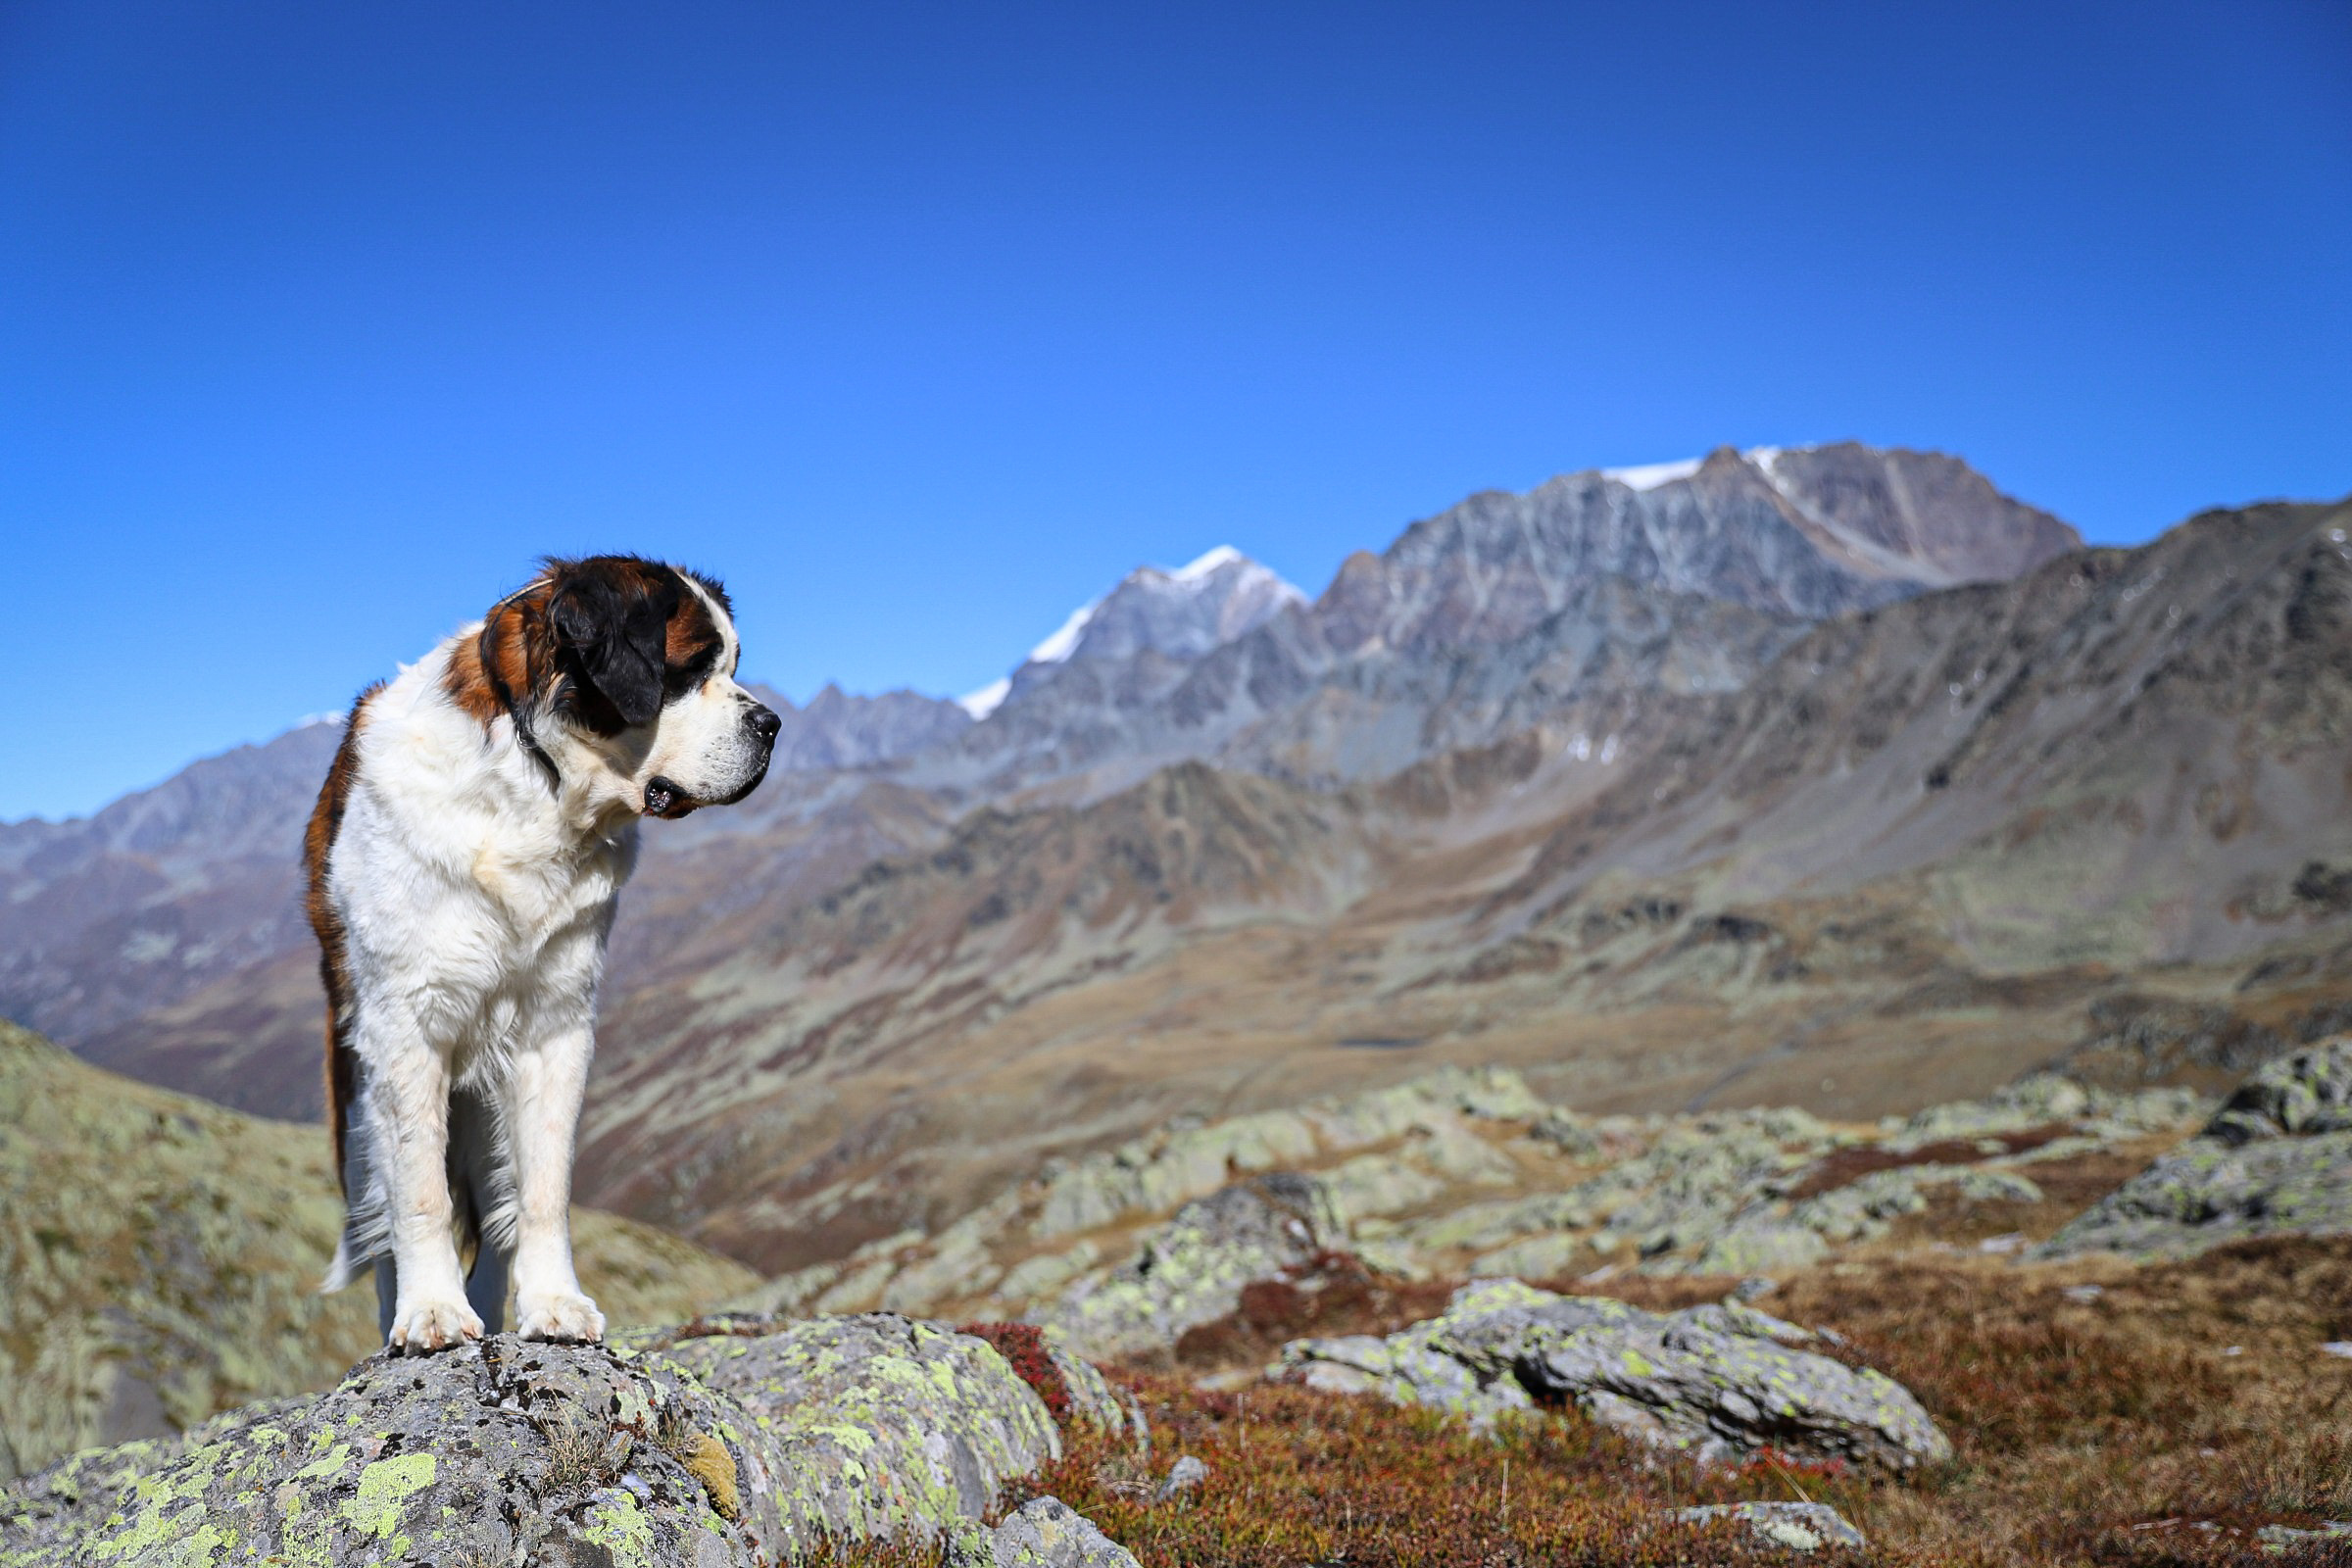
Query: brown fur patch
(513, 650)
(694, 639)
(317, 842)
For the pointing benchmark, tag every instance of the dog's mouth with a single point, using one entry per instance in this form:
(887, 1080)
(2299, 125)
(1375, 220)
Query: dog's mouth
(665, 800)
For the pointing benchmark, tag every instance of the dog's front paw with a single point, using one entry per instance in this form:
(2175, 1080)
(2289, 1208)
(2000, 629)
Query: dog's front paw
(564, 1315)
(429, 1325)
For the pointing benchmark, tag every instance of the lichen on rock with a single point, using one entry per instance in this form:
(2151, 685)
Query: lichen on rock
(730, 1441)
(1796, 1526)
(2276, 1159)
(1721, 1381)
(1042, 1532)
(1193, 1269)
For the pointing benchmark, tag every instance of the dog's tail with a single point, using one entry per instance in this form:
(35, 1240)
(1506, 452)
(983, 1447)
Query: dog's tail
(334, 969)
(366, 1211)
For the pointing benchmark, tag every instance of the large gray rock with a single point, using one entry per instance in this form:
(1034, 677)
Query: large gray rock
(1193, 1269)
(1042, 1532)
(742, 1445)
(1720, 1381)
(1797, 1525)
(2298, 1097)
(2275, 1160)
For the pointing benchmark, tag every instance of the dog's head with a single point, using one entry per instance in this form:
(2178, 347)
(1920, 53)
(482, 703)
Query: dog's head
(623, 669)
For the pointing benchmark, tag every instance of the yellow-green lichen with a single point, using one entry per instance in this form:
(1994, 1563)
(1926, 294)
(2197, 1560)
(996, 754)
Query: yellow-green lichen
(615, 1523)
(384, 1486)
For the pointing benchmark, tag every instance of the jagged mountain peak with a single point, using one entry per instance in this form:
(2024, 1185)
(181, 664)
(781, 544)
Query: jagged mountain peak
(1181, 612)
(1812, 531)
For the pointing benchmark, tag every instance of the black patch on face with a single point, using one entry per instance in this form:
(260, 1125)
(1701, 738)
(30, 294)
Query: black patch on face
(611, 620)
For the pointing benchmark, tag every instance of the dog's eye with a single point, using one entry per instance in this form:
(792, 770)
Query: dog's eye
(679, 679)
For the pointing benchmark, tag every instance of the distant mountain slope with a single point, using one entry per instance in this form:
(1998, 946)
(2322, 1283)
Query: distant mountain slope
(160, 894)
(1907, 858)
(838, 731)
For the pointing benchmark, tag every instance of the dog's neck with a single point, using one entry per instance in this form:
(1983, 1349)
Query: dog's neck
(592, 797)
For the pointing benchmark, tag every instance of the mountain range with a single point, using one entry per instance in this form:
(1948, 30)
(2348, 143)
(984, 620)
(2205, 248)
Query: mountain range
(1828, 775)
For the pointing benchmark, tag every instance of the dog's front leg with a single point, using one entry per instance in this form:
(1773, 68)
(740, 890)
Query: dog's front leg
(408, 1093)
(549, 1079)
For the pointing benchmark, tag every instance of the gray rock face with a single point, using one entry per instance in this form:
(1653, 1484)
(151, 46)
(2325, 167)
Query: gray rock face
(1813, 533)
(2275, 1160)
(1193, 1269)
(1797, 1525)
(1720, 1382)
(160, 894)
(2307, 1093)
(739, 1446)
(1042, 1532)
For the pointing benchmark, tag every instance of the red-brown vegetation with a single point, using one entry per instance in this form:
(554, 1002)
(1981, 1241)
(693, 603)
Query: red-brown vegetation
(1023, 1348)
(2113, 1428)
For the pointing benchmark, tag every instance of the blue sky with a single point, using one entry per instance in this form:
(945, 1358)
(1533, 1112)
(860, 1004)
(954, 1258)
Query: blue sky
(922, 325)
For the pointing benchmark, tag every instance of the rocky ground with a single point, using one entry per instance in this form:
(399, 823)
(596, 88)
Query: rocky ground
(1462, 1174)
(2055, 1326)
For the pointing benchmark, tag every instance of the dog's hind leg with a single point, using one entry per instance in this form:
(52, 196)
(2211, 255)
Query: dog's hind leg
(480, 1179)
(387, 1293)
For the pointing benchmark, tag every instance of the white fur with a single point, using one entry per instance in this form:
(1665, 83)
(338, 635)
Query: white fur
(475, 903)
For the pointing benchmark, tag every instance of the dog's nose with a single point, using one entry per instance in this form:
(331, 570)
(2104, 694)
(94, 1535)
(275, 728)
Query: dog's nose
(763, 721)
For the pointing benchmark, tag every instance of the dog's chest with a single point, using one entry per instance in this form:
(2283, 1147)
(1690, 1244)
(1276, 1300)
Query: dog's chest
(539, 891)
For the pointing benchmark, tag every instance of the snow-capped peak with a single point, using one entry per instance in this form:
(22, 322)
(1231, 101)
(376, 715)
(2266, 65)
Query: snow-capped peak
(1203, 565)
(1181, 612)
(986, 700)
(1651, 475)
(1064, 641)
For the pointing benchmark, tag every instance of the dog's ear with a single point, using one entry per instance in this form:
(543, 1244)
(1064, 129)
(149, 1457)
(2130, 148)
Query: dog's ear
(614, 626)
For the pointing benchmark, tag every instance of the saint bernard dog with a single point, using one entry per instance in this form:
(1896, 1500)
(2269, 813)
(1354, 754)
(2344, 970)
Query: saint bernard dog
(464, 861)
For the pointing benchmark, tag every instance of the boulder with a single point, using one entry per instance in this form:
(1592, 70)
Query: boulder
(739, 1441)
(1722, 1381)
(2275, 1160)
(1042, 1532)
(1184, 1475)
(1193, 1268)
(1796, 1526)
(2300, 1096)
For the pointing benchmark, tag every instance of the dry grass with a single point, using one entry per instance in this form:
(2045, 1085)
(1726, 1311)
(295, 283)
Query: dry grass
(2109, 1430)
